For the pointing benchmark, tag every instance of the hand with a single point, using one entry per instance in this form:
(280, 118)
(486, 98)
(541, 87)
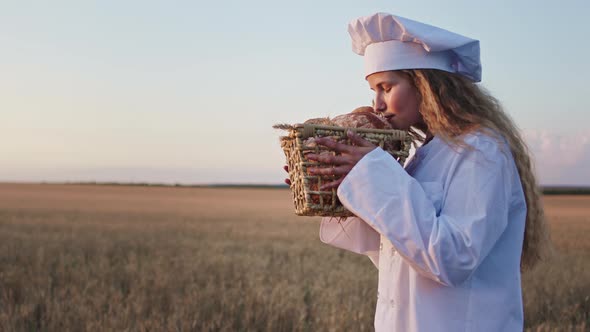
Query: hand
(287, 181)
(342, 164)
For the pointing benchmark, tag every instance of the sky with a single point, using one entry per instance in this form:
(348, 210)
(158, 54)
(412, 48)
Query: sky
(187, 92)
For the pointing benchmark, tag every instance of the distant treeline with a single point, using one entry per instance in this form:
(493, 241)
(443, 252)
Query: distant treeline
(179, 185)
(547, 190)
(551, 190)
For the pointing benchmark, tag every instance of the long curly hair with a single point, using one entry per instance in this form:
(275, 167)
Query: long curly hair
(452, 106)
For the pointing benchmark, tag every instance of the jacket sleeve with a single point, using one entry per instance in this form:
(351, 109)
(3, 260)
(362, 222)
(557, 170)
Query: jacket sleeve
(351, 234)
(446, 246)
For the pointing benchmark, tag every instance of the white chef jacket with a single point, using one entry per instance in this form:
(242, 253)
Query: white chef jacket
(446, 235)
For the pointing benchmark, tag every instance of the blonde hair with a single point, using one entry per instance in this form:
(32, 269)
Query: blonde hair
(452, 106)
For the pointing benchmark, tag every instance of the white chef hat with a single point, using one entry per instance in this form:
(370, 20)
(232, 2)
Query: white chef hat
(390, 42)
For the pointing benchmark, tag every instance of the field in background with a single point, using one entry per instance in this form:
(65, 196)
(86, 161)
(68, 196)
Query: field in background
(79, 257)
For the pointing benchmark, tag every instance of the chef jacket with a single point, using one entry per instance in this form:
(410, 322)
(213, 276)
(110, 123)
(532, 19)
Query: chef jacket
(446, 234)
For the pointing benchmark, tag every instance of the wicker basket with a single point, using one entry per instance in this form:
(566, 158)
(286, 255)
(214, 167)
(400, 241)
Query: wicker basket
(309, 200)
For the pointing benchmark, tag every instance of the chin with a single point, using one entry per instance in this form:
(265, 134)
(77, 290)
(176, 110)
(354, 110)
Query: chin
(398, 126)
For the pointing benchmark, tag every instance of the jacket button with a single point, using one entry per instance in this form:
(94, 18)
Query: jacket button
(392, 303)
(381, 246)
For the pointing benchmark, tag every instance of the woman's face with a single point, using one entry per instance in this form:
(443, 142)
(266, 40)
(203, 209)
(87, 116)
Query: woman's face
(396, 99)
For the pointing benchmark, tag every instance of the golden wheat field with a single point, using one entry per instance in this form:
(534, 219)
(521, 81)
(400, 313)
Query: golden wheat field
(133, 258)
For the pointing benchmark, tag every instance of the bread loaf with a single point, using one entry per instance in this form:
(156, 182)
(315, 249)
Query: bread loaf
(361, 120)
(361, 117)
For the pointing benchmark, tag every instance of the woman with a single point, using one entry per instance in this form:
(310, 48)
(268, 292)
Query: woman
(450, 232)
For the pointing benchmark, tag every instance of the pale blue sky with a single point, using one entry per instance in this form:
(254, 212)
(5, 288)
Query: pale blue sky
(187, 92)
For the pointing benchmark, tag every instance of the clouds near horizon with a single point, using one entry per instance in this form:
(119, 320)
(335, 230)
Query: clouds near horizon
(560, 158)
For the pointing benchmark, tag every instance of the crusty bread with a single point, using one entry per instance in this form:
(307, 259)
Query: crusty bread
(361, 117)
(320, 121)
(361, 120)
(363, 109)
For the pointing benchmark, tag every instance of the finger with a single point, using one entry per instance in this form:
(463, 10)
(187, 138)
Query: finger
(333, 145)
(358, 140)
(332, 171)
(332, 185)
(287, 181)
(328, 158)
(286, 168)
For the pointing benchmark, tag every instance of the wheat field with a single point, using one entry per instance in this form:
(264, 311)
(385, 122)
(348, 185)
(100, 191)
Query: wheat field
(133, 258)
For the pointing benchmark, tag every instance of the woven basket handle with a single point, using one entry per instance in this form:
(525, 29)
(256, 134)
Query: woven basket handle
(309, 130)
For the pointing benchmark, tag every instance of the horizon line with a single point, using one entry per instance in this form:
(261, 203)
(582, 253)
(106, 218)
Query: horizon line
(546, 189)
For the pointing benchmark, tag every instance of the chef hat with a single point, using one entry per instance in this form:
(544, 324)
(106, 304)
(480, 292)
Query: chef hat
(390, 42)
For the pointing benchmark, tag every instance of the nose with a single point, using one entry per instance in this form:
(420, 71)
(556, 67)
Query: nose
(378, 104)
